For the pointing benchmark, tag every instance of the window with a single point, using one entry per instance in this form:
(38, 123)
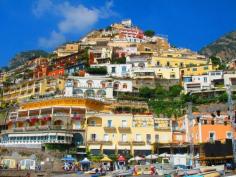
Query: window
(144, 123)
(205, 68)
(93, 123)
(123, 137)
(229, 135)
(156, 138)
(113, 69)
(205, 79)
(109, 123)
(106, 137)
(124, 123)
(124, 86)
(158, 63)
(168, 63)
(148, 138)
(93, 137)
(123, 69)
(181, 64)
(138, 137)
(212, 136)
(194, 69)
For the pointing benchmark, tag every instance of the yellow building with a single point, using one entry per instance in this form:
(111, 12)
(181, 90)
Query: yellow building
(86, 123)
(122, 133)
(67, 49)
(177, 58)
(196, 70)
(31, 88)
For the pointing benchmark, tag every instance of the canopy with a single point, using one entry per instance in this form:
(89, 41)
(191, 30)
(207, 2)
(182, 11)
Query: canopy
(106, 159)
(68, 158)
(137, 158)
(164, 155)
(85, 161)
(121, 158)
(151, 157)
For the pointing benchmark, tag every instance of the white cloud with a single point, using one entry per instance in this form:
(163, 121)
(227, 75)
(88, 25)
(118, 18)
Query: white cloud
(77, 18)
(41, 7)
(55, 39)
(74, 19)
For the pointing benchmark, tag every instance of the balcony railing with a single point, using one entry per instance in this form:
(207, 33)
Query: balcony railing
(161, 128)
(178, 129)
(94, 125)
(138, 143)
(104, 142)
(124, 128)
(111, 128)
(124, 143)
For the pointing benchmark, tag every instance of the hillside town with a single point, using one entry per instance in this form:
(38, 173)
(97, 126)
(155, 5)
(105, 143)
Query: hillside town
(119, 93)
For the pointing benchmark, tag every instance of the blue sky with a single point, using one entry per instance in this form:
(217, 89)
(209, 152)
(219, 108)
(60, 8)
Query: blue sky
(44, 24)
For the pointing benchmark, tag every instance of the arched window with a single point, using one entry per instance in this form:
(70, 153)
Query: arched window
(90, 83)
(125, 86)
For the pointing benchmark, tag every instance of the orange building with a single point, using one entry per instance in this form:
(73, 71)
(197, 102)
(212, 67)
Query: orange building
(211, 127)
(56, 72)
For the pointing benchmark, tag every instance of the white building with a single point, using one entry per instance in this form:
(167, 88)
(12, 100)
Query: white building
(203, 82)
(95, 87)
(230, 79)
(117, 70)
(124, 85)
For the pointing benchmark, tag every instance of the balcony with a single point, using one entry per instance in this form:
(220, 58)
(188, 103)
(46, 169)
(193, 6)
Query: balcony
(94, 142)
(110, 128)
(158, 128)
(94, 125)
(124, 143)
(178, 129)
(124, 129)
(138, 143)
(106, 142)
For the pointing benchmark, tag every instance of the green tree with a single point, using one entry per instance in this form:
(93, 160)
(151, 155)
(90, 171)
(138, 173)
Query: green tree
(146, 92)
(175, 90)
(149, 33)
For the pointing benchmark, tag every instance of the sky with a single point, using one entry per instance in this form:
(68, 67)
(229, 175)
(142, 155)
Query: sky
(45, 24)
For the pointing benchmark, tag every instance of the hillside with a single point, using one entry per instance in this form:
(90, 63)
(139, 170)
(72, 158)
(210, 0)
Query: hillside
(224, 47)
(21, 57)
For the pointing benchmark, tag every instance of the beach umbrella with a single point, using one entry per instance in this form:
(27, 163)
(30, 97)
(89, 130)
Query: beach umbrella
(151, 157)
(106, 159)
(121, 158)
(85, 161)
(164, 155)
(136, 158)
(68, 158)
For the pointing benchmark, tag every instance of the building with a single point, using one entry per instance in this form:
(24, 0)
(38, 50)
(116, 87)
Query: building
(230, 79)
(211, 80)
(117, 70)
(89, 87)
(33, 88)
(177, 58)
(155, 72)
(124, 133)
(101, 54)
(195, 70)
(58, 121)
(67, 49)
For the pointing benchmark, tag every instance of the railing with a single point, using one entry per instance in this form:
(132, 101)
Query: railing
(124, 128)
(124, 143)
(94, 125)
(161, 128)
(138, 143)
(104, 142)
(179, 129)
